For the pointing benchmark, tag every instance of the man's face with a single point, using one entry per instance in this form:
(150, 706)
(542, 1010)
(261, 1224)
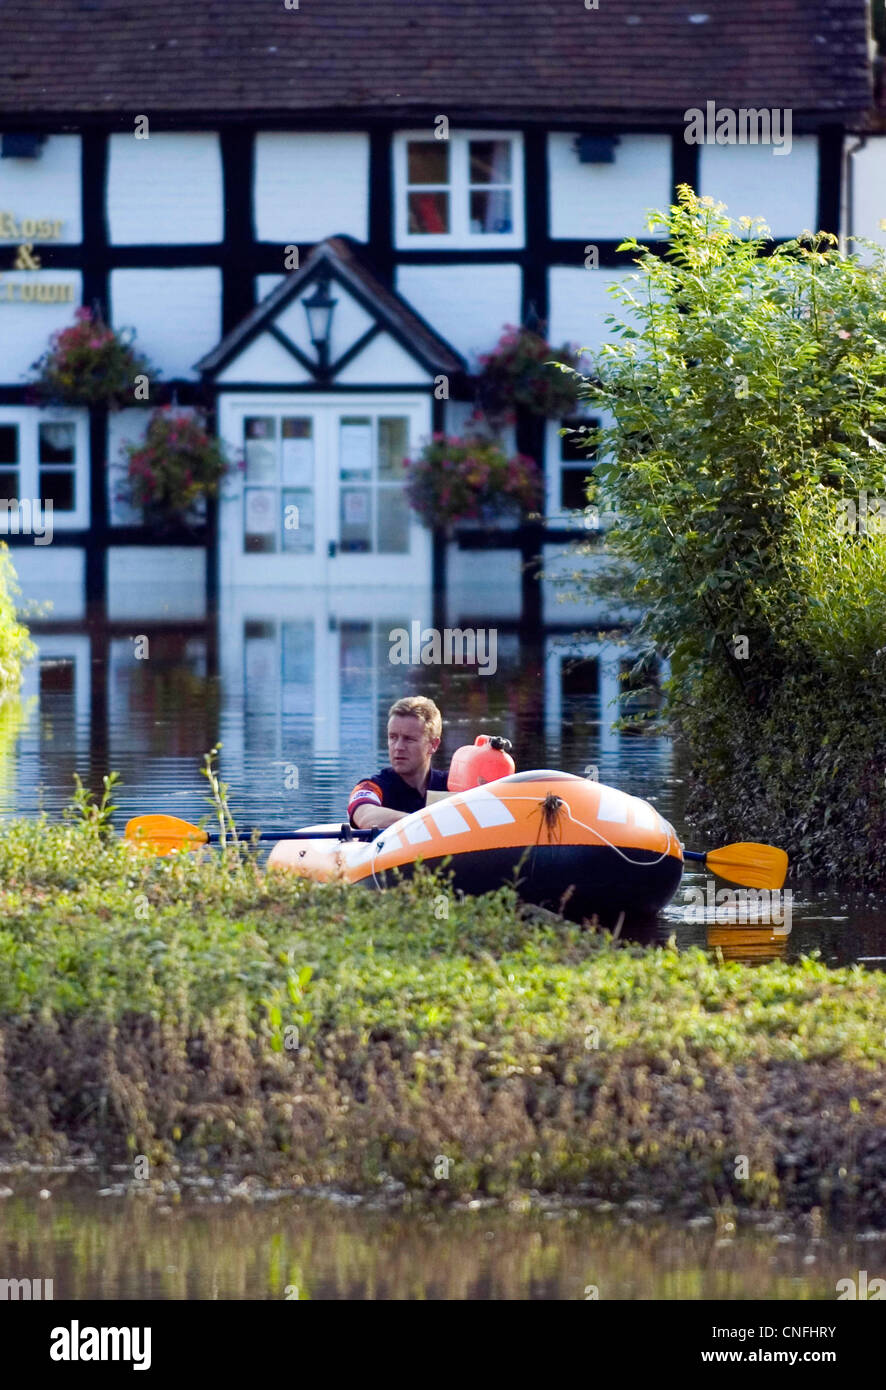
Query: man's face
(410, 746)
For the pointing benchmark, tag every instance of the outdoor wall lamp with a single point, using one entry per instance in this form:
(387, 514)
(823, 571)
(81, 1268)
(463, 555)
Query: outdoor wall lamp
(319, 311)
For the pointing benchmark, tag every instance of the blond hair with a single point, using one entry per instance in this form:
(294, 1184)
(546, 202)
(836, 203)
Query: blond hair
(420, 707)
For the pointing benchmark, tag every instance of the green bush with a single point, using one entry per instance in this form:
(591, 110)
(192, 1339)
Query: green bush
(15, 645)
(744, 453)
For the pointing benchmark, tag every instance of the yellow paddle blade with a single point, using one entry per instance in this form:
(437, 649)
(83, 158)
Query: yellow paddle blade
(165, 833)
(753, 866)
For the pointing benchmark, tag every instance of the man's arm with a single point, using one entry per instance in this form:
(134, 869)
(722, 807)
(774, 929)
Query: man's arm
(370, 817)
(366, 809)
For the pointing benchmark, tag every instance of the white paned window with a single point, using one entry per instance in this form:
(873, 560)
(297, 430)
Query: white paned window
(279, 490)
(373, 510)
(466, 191)
(44, 457)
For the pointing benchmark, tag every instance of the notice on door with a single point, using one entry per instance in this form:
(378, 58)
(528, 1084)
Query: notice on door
(356, 507)
(298, 462)
(261, 511)
(298, 453)
(355, 448)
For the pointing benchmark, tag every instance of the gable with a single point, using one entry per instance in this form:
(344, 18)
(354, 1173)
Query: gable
(374, 335)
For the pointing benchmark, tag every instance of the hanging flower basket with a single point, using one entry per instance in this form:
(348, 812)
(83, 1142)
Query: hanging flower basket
(472, 478)
(178, 463)
(90, 364)
(518, 372)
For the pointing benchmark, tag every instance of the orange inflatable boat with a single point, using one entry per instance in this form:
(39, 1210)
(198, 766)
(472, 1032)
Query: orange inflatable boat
(571, 845)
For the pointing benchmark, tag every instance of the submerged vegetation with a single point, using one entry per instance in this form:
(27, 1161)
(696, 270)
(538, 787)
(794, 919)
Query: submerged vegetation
(199, 1008)
(744, 457)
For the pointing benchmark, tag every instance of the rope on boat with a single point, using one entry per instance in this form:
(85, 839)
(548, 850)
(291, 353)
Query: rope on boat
(634, 863)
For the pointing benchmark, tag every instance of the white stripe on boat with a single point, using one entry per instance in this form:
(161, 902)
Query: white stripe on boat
(487, 809)
(447, 819)
(613, 805)
(416, 831)
(645, 816)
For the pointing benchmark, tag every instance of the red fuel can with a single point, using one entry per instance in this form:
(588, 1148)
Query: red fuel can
(484, 760)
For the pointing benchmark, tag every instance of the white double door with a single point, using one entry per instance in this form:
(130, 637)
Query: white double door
(318, 495)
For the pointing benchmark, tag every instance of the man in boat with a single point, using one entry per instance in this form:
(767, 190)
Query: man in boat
(415, 726)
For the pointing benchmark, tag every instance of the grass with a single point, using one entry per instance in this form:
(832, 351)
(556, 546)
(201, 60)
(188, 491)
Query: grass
(196, 1004)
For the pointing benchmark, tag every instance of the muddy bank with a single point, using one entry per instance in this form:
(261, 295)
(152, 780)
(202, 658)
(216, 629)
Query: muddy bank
(447, 1121)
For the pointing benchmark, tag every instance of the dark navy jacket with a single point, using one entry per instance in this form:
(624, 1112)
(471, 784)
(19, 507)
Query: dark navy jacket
(387, 788)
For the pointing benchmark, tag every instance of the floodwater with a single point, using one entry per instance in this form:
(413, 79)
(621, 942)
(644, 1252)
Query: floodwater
(208, 1244)
(299, 706)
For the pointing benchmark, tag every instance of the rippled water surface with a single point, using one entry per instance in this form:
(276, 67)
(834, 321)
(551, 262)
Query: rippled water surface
(266, 1247)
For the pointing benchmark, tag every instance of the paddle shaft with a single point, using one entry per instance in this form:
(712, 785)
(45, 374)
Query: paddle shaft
(215, 838)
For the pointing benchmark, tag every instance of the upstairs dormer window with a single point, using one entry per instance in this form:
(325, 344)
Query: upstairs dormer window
(466, 191)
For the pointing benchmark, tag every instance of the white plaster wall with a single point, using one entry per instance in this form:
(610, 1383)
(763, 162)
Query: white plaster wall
(264, 284)
(25, 328)
(754, 181)
(468, 304)
(383, 362)
(167, 188)
(124, 427)
(264, 361)
(47, 187)
(156, 582)
(51, 574)
(176, 314)
(311, 185)
(607, 200)
(867, 169)
(579, 303)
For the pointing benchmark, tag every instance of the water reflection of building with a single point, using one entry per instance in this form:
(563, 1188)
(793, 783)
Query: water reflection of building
(298, 693)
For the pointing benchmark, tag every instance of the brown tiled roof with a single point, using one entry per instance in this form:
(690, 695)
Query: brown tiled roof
(505, 58)
(347, 266)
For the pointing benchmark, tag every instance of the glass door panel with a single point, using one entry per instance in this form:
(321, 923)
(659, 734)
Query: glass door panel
(279, 491)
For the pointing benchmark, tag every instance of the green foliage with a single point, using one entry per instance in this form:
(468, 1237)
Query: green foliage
(746, 416)
(454, 479)
(90, 363)
(99, 925)
(16, 646)
(520, 371)
(96, 815)
(177, 463)
(151, 1005)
